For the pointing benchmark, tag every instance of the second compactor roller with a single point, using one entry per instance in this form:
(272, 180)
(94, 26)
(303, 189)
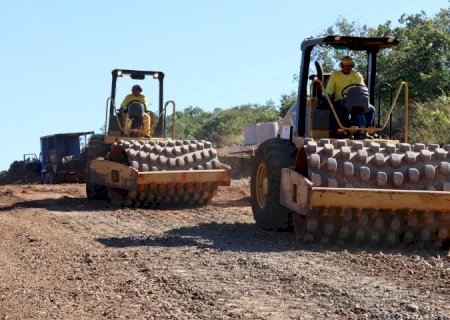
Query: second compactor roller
(135, 164)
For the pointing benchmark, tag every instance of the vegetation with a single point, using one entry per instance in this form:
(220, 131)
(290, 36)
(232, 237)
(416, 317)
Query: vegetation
(422, 59)
(222, 126)
(430, 121)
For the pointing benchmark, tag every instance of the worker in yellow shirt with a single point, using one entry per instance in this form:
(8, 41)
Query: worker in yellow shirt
(338, 81)
(136, 96)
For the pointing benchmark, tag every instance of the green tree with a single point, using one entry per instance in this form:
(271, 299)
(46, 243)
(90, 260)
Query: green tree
(286, 102)
(329, 57)
(226, 126)
(222, 126)
(423, 55)
(189, 123)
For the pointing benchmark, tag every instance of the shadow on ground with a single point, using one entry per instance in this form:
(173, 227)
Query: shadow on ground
(245, 201)
(217, 236)
(245, 237)
(74, 204)
(67, 204)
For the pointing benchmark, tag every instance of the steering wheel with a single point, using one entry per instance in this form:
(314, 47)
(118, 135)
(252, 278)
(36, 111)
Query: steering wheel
(133, 101)
(351, 85)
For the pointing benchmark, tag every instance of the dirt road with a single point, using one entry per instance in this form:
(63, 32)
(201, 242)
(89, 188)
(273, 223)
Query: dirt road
(62, 257)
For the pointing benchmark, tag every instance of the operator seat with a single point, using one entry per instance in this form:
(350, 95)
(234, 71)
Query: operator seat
(357, 101)
(136, 115)
(320, 114)
(137, 121)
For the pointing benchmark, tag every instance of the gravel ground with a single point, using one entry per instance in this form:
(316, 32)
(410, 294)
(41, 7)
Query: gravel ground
(63, 257)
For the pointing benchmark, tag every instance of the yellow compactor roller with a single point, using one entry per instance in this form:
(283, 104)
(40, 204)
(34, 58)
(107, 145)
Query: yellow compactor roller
(131, 166)
(349, 190)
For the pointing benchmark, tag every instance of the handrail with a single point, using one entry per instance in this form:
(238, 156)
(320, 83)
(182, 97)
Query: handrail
(406, 114)
(385, 85)
(115, 113)
(311, 104)
(405, 109)
(173, 117)
(329, 102)
(107, 116)
(372, 129)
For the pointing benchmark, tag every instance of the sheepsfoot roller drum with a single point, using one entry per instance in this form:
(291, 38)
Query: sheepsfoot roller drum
(370, 192)
(155, 173)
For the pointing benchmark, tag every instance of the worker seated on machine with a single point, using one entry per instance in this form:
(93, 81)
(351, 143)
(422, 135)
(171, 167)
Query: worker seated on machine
(135, 120)
(350, 98)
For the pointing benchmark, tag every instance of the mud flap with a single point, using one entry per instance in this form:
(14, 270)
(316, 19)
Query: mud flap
(431, 208)
(295, 194)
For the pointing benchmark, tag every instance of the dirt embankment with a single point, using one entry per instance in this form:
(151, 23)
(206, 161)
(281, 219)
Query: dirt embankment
(63, 257)
(21, 173)
(239, 158)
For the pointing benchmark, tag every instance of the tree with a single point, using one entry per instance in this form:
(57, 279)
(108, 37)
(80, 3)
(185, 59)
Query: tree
(190, 122)
(287, 102)
(330, 56)
(222, 126)
(423, 55)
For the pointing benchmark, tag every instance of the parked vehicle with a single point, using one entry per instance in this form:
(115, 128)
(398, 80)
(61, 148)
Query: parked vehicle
(62, 157)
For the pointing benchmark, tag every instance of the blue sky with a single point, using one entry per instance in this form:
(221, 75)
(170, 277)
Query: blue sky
(57, 55)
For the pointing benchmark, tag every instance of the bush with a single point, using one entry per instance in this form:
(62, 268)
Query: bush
(430, 121)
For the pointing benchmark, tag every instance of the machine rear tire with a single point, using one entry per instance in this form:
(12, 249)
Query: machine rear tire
(271, 156)
(48, 178)
(96, 192)
(96, 148)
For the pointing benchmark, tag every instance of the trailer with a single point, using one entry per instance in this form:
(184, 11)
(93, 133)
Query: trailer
(62, 157)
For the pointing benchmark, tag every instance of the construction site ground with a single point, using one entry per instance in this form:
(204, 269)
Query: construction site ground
(63, 257)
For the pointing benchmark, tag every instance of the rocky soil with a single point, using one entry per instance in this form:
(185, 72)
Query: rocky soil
(62, 257)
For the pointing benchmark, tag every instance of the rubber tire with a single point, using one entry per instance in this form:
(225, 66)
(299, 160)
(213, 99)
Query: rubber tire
(48, 178)
(96, 148)
(96, 192)
(271, 156)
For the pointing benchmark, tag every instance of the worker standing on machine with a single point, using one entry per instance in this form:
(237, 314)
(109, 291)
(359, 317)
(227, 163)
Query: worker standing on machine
(137, 96)
(339, 80)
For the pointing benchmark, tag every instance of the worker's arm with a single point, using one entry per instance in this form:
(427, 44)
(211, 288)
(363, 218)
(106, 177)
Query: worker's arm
(360, 79)
(331, 85)
(125, 102)
(145, 102)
